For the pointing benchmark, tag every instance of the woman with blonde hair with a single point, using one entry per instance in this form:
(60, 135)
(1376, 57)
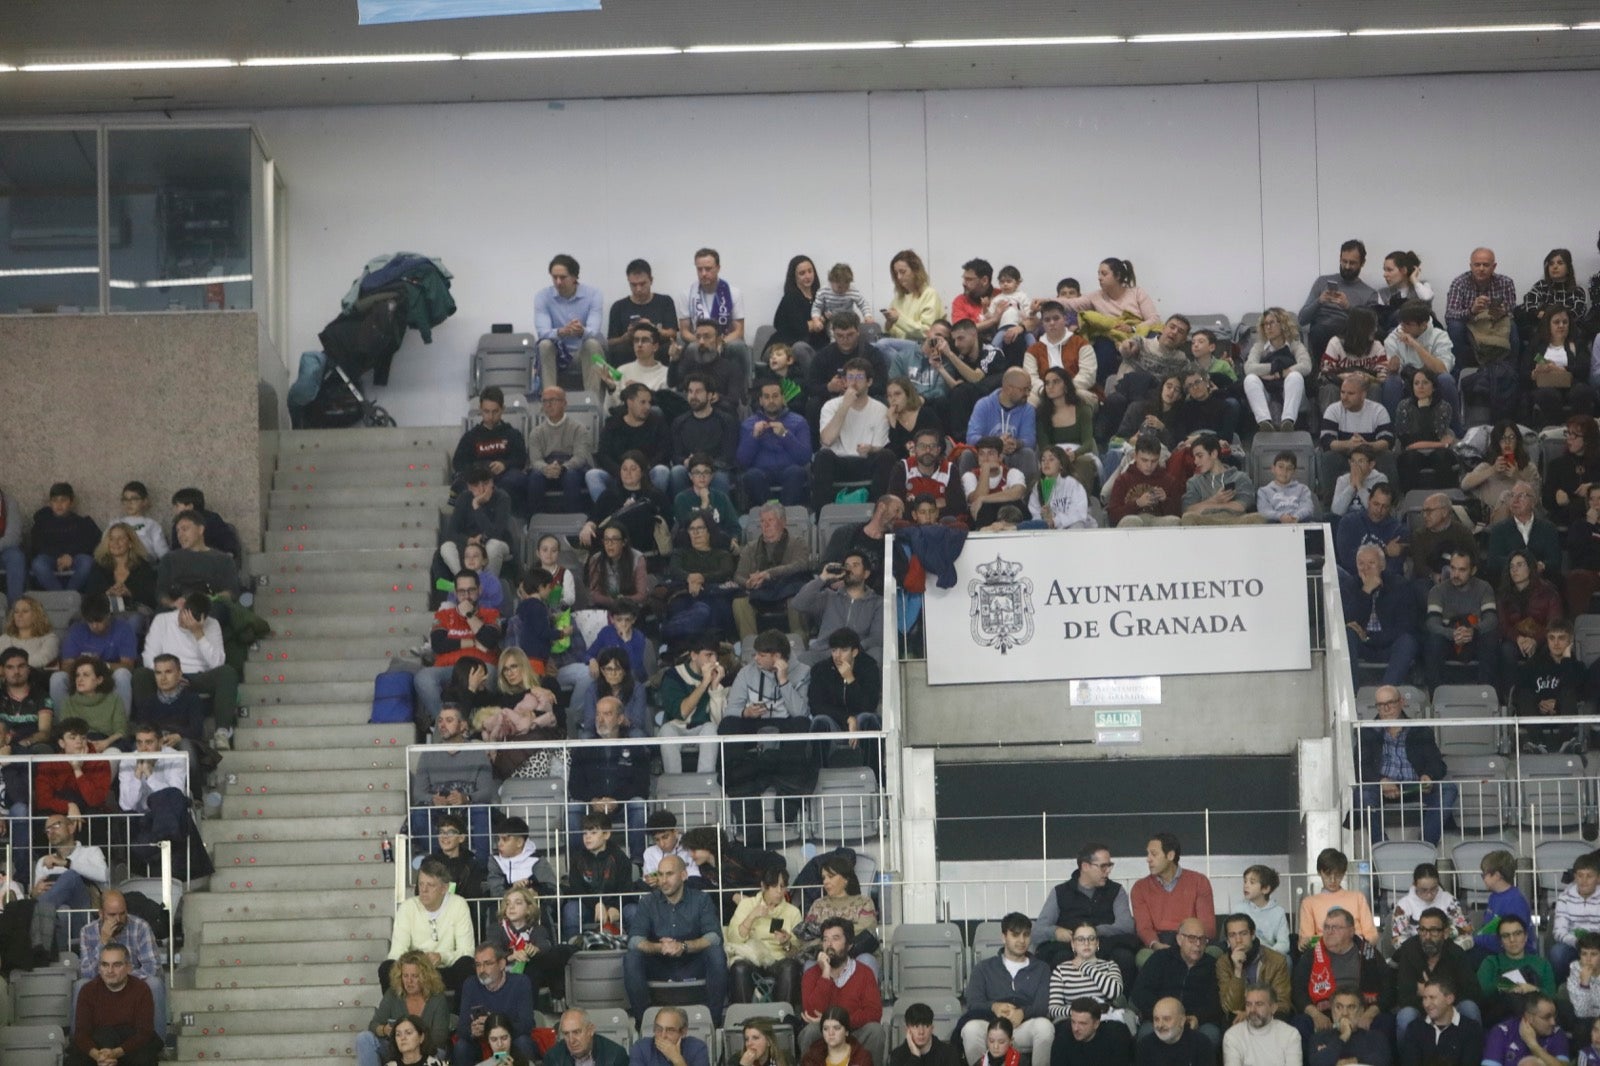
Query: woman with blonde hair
(28, 628)
(415, 989)
(126, 573)
(916, 304)
(1277, 366)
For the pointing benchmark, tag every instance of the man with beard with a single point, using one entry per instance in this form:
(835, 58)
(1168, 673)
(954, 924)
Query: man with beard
(1092, 1043)
(1249, 962)
(1429, 957)
(1261, 1039)
(1187, 973)
(837, 980)
(1170, 1041)
(1346, 1041)
(1089, 895)
(725, 364)
(842, 597)
(705, 429)
(774, 450)
(981, 367)
(1333, 295)
(928, 471)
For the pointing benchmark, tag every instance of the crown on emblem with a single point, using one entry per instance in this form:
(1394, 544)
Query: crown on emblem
(1000, 570)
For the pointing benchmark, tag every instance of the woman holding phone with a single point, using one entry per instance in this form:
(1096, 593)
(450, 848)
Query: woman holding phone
(760, 938)
(1505, 462)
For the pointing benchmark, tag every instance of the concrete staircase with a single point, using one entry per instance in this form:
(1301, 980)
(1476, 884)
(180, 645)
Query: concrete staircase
(283, 950)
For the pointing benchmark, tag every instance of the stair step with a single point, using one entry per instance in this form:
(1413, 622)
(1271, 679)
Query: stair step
(424, 457)
(389, 476)
(228, 1001)
(338, 626)
(244, 958)
(305, 671)
(297, 650)
(286, 781)
(284, 1046)
(367, 582)
(265, 904)
(346, 539)
(308, 879)
(390, 807)
(296, 737)
(379, 499)
(244, 760)
(278, 716)
(324, 517)
(277, 563)
(232, 857)
(321, 442)
(259, 697)
(276, 601)
(356, 829)
(296, 930)
(342, 1020)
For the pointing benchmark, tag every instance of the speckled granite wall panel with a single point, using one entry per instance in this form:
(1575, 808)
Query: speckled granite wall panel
(97, 400)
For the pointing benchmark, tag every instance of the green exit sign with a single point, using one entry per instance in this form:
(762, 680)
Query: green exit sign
(1118, 719)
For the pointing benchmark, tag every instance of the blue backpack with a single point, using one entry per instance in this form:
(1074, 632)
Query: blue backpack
(391, 698)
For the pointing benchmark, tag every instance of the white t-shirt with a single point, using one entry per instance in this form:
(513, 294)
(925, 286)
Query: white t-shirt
(865, 425)
(1016, 305)
(654, 377)
(1556, 354)
(699, 304)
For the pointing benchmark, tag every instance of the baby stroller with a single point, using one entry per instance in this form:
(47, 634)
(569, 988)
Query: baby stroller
(325, 396)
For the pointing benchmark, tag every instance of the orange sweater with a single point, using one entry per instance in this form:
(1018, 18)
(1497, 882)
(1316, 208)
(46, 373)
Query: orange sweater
(1155, 910)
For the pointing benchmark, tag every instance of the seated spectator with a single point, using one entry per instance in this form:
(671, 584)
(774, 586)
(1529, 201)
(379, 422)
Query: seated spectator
(437, 923)
(1187, 974)
(1145, 493)
(539, 629)
(1424, 435)
(1206, 407)
(642, 304)
(979, 366)
(1156, 411)
(1402, 282)
(1276, 368)
(704, 497)
(1089, 898)
(916, 304)
(25, 708)
(1063, 348)
(868, 536)
(459, 781)
(157, 791)
(1346, 1039)
(1091, 1043)
(774, 449)
(125, 574)
(841, 897)
(707, 432)
(909, 415)
(1511, 977)
(1530, 1035)
(1354, 486)
(1526, 603)
(115, 927)
(496, 447)
(761, 939)
(990, 484)
(793, 323)
(1431, 956)
(61, 543)
(618, 632)
(219, 534)
(1525, 531)
(598, 882)
(1215, 360)
(515, 861)
(1499, 872)
(1058, 500)
(95, 701)
(110, 640)
(1375, 525)
(662, 828)
(1491, 481)
(927, 470)
(178, 715)
(460, 631)
(1314, 906)
(415, 990)
(1012, 984)
(560, 452)
(715, 303)
(767, 688)
(826, 378)
(1417, 344)
(1425, 892)
(1333, 296)
(1462, 623)
(692, 698)
(784, 367)
(1350, 423)
(115, 1016)
(190, 632)
(1118, 297)
(1256, 887)
(922, 1047)
(771, 569)
(1577, 911)
(1356, 350)
(1583, 990)
(1477, 311)
(1403, 765)
(610, 779)
(1568, 476)
(135, 515)
(1382, 617)
(670, 1044)
(1559, 287)
(482, 516)
(194, 563)
(1285, 499)
(452, 852)
(1067, 421)
(1081, 975)
(1171, 894)
(637, 429)
(1249, 962)
(1007, 416)
(493, 990)
(645, 346)
(1341, 960)
(29, 628)
(723, 866)
(566, 321)
(629, 504)
(841, 991)
(618, 681)
(1217, 494)
(69, 874)
(724, 363)
(701, 573)
(842, 597)
(616, 573)
(1441, 535)
(1450, 1037)
(1171, 1041)
(676, 936)
(854, 436)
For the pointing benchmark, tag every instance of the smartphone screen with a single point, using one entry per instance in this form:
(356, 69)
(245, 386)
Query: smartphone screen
(775, 925)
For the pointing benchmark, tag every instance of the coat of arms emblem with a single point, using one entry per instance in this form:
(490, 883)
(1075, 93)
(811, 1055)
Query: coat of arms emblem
(1002, 606)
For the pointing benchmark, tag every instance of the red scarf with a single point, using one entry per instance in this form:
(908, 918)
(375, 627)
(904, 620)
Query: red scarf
(1320, 987)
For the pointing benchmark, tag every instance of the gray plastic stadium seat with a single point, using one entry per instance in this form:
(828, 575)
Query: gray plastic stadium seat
(562, 526)
(1551, 860)
(696, 799)
(1392, 863)
(503, 359)
(1485, 791)
(614, 1024)
(60, 607)
(1266, 446)
(733, 1027)
(594, 979)
(845, 808)
(1555, 792)
(1467, 701)
(32, 1045)
(42, 997)
(946, 1012)
(987, 939)
(1586, 633)
(834, 515)
(542, 803)
(927, 956)
(1467, 858)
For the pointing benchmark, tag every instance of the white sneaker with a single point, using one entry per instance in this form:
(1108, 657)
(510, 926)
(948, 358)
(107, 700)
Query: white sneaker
(222, 740)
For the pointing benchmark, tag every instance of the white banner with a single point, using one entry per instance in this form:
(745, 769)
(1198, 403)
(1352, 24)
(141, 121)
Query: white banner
(1056, 606)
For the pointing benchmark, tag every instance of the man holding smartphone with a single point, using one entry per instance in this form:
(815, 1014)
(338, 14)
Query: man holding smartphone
(1332, 296)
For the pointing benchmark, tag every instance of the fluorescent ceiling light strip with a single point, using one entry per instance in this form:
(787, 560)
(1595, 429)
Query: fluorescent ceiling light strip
(1244, 35)
(1413, 31)
(347, 61)
(797, 46)
(1009, 42)
(118, 283)
(577, 53)
(1587, 26)
(172, 283)
(128, 64)
(47, 272)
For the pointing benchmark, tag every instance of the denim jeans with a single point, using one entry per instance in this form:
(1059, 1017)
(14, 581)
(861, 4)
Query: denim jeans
(710, 965)
(46, 578)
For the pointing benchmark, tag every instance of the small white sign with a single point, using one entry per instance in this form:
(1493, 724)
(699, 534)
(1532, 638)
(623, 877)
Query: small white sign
(1115, 691)
(1118, 736)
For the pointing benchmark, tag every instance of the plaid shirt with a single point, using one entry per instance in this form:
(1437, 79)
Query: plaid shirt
(135, 936)
(1463, 290)
(1393, 764)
